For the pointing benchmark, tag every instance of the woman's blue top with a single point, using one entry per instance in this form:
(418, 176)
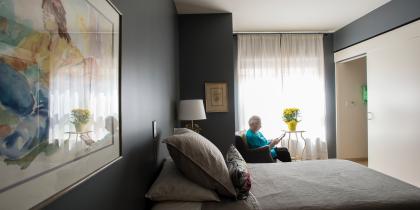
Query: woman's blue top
(256, 140)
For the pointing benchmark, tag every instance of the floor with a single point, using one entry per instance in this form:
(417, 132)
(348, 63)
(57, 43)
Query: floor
(361, 161)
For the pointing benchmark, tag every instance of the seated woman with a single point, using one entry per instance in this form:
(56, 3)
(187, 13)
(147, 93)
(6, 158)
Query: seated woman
(256, 139)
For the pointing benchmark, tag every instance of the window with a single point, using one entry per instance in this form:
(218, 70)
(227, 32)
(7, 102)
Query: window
(277, 71)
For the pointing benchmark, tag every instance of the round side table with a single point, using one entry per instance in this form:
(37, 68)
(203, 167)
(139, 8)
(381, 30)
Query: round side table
(297, 135)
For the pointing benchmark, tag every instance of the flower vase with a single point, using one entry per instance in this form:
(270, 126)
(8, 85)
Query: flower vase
(291, 125)
(80, 127)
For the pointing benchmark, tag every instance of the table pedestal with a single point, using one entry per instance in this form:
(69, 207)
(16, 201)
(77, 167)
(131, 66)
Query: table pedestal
(297, 135)
(83, 135)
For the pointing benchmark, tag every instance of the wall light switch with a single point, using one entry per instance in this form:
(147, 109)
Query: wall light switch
(154, 128)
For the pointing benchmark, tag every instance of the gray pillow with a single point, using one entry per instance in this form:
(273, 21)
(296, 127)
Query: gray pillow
(171, 185)
(201, 162)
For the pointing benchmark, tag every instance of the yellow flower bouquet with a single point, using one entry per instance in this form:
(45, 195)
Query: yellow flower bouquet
(290, 117)
(80, 117)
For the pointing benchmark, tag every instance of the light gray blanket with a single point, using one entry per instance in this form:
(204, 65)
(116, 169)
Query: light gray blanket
(316, 185)
(329, 184)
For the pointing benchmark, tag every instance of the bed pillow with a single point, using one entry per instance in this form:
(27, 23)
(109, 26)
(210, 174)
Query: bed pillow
(238, 172)
(200, 161)
(171, 185)
(182, 130)
(178, 206)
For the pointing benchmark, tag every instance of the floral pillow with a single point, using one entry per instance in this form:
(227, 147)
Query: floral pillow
(238, 172)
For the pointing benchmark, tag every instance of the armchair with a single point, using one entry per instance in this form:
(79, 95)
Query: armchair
(258, 155)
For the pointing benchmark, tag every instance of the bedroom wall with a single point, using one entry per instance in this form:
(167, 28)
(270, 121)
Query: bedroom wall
(383, 19)
(330, 94)
(393, 86)
(149, 92)
(206, 55)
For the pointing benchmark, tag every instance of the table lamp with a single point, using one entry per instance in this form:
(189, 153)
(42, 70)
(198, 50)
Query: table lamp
(192, 110)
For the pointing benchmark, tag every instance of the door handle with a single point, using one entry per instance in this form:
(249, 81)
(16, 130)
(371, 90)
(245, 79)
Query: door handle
(370, 116)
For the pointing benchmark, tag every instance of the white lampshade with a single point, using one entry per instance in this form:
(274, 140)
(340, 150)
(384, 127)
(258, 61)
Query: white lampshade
(191, 110)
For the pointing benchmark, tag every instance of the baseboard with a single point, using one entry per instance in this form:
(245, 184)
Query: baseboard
(355, 159)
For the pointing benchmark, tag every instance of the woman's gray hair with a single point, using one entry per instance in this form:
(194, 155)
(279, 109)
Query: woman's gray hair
(254, 119)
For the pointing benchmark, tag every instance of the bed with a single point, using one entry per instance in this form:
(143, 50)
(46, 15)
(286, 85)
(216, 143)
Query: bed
(329, 184)
(197, 171)
(318, 184)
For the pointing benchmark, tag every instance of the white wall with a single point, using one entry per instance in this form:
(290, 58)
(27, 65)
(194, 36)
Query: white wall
(393, 75)
(351, 111)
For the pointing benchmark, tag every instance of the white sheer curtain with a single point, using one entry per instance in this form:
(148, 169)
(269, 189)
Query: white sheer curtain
(90, 84)
(85, 86)
(277, 71)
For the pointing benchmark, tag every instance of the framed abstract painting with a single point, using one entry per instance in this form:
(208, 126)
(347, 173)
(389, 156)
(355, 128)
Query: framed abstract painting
(216, 97)
(59, 96)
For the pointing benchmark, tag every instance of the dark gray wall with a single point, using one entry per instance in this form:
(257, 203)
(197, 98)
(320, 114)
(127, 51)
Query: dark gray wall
(381, 20)
(206, 55)
(149, 92)
(330, 95)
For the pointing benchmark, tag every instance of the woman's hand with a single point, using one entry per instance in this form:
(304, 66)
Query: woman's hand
(275, 141)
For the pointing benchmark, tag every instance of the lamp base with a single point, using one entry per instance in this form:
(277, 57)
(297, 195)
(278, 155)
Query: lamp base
(193, 126)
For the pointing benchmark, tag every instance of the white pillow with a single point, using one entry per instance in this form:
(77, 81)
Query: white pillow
(181, 131)
(171, 185)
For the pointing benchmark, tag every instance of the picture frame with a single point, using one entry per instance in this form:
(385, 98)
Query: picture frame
(60, 63)
(216, 97)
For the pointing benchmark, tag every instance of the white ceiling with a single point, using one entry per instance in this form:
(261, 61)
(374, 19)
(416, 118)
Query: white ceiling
(284, 15)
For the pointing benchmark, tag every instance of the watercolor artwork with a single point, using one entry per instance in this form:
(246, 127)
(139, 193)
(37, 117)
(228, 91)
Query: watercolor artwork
(59, 86)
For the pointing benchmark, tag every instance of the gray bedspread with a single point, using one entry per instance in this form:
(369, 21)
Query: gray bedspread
(315, 185)
(329, 184)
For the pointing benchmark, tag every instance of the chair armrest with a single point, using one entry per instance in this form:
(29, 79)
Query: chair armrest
(259, 155)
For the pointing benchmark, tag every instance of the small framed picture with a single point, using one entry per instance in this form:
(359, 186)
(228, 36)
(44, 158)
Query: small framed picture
(216, 97)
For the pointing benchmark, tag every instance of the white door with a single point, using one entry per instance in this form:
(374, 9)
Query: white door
(393, 75)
